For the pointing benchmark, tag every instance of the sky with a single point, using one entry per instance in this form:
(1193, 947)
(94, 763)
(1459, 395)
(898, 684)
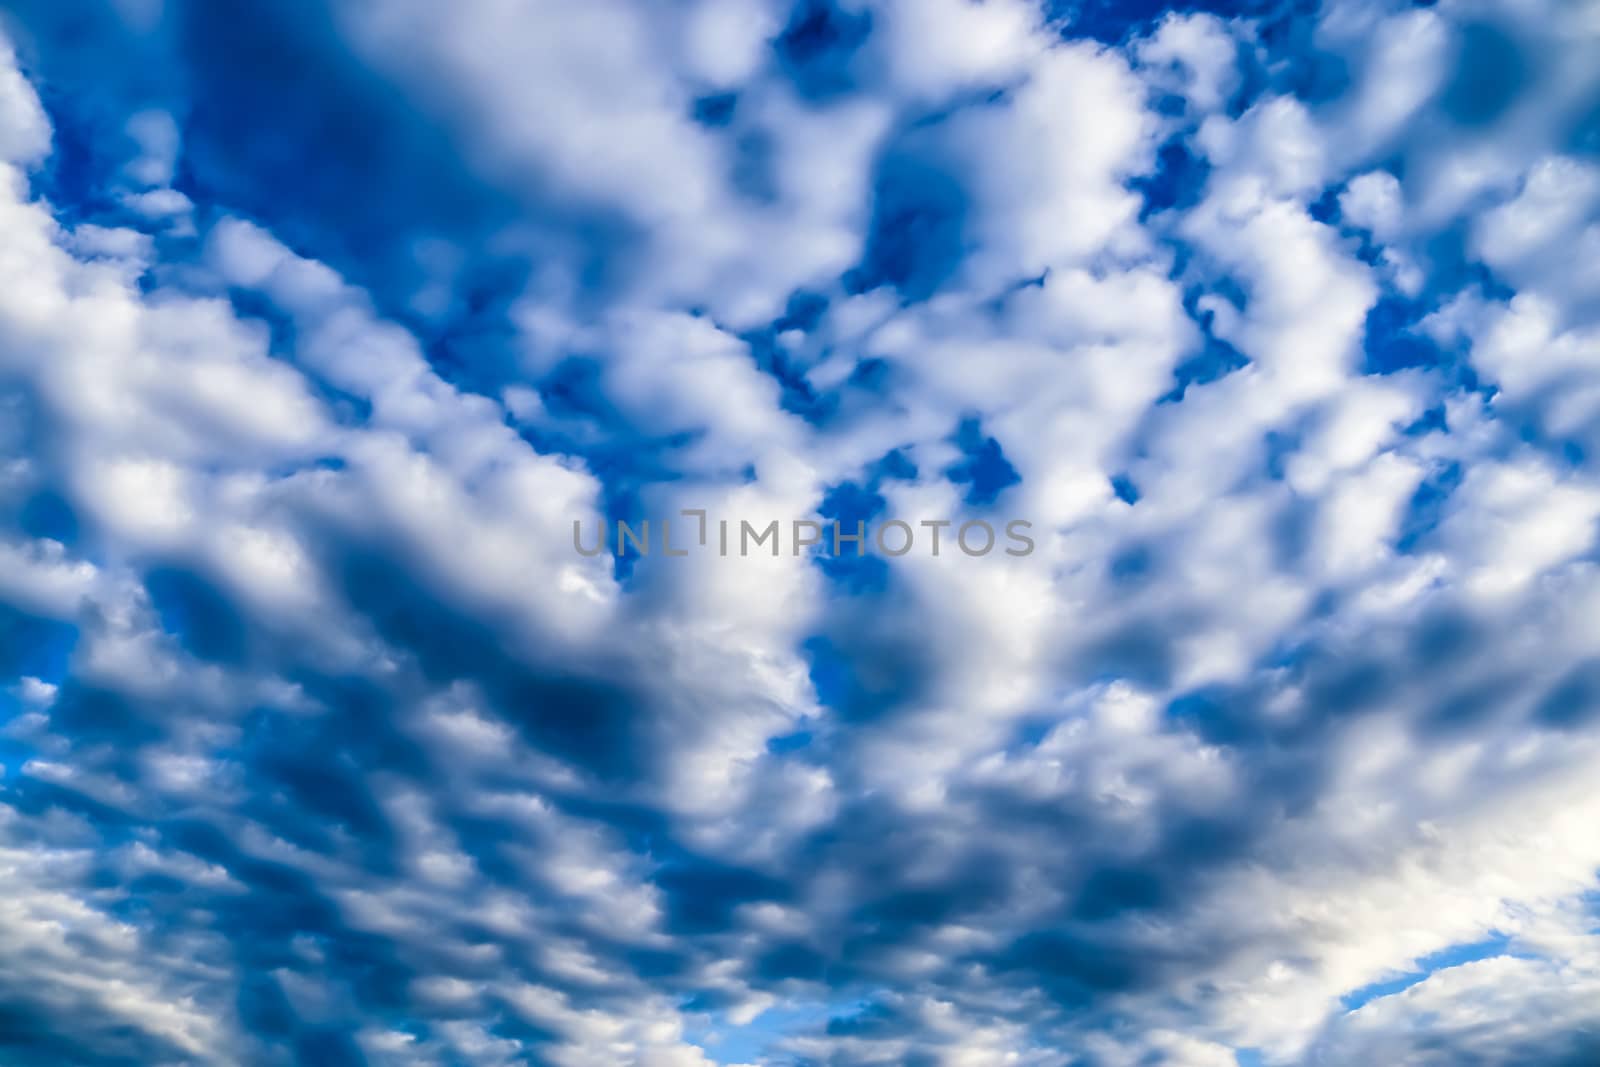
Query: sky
(324, 322)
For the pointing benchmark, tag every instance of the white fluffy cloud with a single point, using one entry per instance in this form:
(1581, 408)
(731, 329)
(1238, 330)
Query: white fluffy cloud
(324, 743)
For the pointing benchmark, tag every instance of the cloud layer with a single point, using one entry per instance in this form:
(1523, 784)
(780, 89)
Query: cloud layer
(322, 323)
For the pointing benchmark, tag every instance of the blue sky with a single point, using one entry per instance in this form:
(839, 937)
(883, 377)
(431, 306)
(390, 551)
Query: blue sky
(322, 322)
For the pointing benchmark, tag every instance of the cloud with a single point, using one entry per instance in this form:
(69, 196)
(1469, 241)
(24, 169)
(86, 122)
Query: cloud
(321, 744)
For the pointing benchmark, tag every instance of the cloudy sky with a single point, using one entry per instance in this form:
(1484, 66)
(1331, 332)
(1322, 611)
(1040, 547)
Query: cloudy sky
(323, 321)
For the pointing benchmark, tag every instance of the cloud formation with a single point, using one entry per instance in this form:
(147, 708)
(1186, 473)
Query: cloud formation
(322, 322)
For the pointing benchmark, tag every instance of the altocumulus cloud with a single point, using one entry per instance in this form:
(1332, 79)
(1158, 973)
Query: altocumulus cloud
(321, 323)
